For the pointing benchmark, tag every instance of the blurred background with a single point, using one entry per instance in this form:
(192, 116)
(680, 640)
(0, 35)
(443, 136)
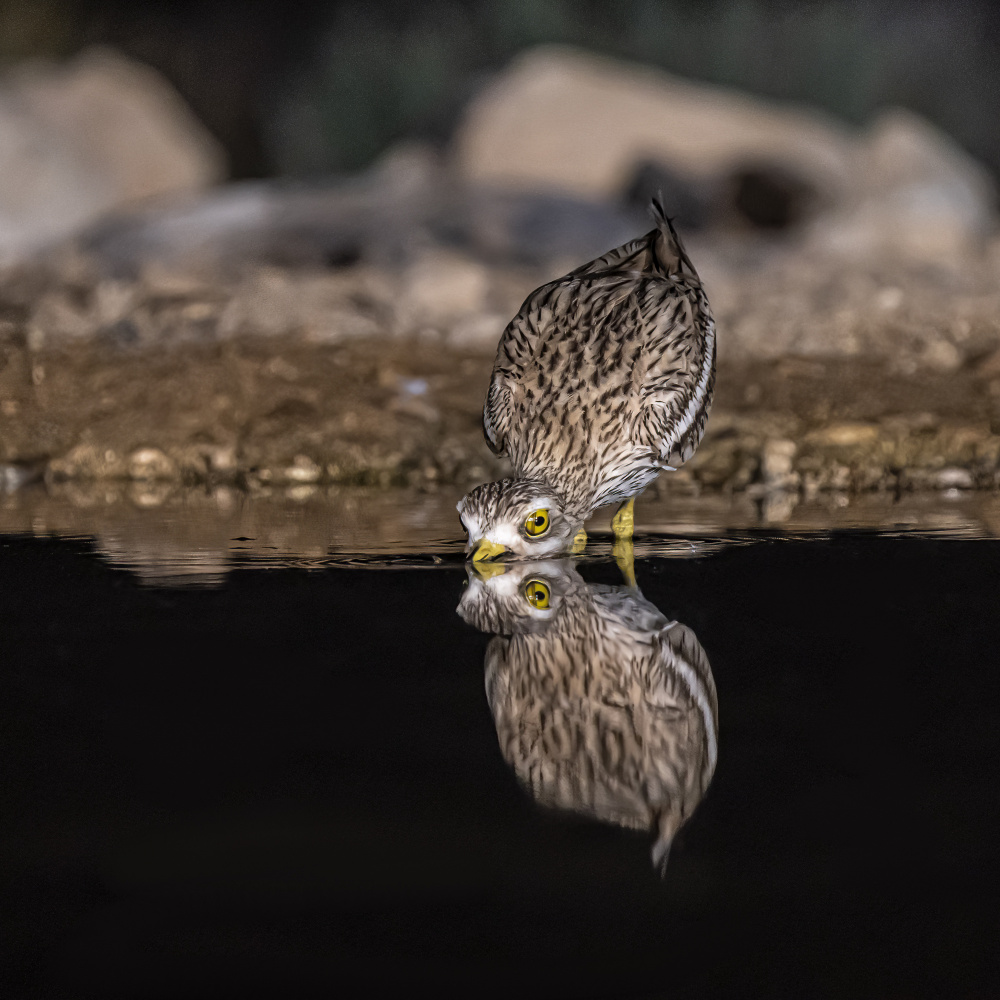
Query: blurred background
(270, 250)
(329, 85)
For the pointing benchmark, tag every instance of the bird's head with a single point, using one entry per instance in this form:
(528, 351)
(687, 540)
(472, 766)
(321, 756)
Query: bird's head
(520, 518)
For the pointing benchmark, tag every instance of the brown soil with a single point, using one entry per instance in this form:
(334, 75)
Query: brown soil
(388, 412)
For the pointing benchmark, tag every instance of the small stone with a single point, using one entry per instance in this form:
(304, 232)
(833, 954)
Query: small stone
(148, 494)
(776, 463)
(953, 478)
(221, 459)
(845, 435)
(889, 299)
(13, 477)
(301, 492)
(303, 470)
(942, 355)
(150, 464)
(85, 461)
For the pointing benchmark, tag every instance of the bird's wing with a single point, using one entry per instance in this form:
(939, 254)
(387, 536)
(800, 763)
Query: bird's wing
(679, 376)
(496, 412)
(515, 357)
(594, 290)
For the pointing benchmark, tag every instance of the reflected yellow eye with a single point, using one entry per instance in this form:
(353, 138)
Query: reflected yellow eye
(536, 594)
(537, 523)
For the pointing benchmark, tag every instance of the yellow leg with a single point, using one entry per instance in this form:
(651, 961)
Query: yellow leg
(623, 523)
(579, 542)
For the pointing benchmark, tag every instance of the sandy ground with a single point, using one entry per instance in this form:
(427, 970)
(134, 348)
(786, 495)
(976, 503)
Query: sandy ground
(261, 414)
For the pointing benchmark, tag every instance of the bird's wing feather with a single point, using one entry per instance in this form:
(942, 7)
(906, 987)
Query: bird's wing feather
(679, 379)
(672, 374)
(496, 412)
(515, 357)
(680, 374)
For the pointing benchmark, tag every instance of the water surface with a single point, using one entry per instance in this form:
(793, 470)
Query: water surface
(313, 767)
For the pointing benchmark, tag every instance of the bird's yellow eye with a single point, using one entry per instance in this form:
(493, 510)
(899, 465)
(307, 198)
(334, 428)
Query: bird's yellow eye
(537, 523)
(536, 594)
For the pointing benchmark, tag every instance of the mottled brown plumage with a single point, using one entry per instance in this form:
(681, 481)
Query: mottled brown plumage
(601, 704)
(603, 379)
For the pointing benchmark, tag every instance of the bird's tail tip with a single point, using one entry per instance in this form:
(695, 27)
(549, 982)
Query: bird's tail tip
(670, 250)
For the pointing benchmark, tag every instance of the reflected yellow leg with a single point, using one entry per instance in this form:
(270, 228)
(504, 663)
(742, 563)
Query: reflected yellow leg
(622, 524)
(579, 542)
(625, 557)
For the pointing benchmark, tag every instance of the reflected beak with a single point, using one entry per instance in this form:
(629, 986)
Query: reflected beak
(486, 570)
(486, 549)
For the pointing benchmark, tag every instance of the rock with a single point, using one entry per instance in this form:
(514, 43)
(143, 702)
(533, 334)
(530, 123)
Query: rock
(953, 479)
(916, 194)
(94, 134)
(531, 227)
(87, 461)
(363, 220)
(303, 470)
(150, 464)
(14, 476)
(846, 435)
(690, 199)
(776, 464)
(323, 308)
(567, 120)
(440, 289)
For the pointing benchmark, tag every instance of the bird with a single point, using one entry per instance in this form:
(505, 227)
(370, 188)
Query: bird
(602, 705)
(602, 380)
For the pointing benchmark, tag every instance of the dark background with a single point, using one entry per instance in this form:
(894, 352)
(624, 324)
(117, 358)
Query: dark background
(320, 86)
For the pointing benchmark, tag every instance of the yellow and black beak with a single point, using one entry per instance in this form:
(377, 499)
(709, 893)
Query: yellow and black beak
(485, 549)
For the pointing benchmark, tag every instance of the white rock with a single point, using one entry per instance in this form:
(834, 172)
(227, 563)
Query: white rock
(478, 331)
(916, 194)
(777, 463)
(303, 470)
(566, 119)
(440, 288)
(953, 478)
(150, 463)
(319, 307)
(92, 135)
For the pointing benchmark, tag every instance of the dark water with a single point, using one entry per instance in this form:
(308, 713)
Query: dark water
(295, 778)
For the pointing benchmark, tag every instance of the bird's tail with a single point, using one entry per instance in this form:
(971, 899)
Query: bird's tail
(667, 246)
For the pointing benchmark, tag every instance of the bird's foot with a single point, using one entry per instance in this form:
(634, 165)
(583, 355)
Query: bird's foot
(623, 523)
(625, 557)
(579, 542)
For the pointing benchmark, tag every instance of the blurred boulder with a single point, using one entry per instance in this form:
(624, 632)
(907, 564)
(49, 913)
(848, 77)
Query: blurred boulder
(405, 204)
(688, 202)
(917, 193)
(563, 119)
(94, 134)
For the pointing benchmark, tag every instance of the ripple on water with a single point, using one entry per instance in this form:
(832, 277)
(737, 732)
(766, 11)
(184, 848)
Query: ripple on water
(197, 537)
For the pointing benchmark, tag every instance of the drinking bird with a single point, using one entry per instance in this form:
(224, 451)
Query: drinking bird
(602, 380)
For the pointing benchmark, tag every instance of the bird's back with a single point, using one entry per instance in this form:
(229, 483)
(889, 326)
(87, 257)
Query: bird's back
(606, 375)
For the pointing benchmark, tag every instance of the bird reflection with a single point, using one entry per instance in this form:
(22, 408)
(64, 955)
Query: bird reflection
(602, 705)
